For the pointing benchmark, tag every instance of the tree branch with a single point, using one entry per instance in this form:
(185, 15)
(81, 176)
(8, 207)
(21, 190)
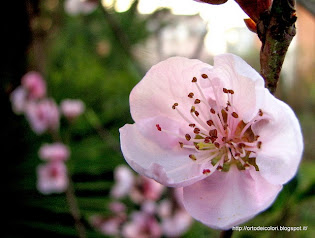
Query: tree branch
(226, 234)
(121, 37)
(276, 30)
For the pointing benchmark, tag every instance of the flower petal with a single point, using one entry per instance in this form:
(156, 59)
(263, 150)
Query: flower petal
(168, 165)
(248, 86)
(282, 141)
(226, 199)
(164, 84)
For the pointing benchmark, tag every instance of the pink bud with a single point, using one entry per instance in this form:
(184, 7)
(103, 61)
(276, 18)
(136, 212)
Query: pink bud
(72, 108)
(54, 152)
(34, 84)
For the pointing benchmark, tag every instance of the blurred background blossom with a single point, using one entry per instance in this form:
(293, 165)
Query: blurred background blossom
(69, 68)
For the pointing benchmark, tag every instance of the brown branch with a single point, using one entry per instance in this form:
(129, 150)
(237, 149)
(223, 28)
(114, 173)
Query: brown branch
(226, 234)
(121, 37)
(74, 210)
(276, 30)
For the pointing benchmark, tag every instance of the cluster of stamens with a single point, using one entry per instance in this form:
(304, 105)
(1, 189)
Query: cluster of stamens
(219, 138)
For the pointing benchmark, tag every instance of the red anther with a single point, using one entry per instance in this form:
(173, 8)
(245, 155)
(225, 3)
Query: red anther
(212, 111)
(206, 171)
(234, 114)
(210, 123)
(237, 154)
(225, 126)
(197, 101)
(228, 103)
(225, 90)
(223, 139)
(192, 109)
(197, 146)
(216, 144)
(188, 137)
(241, 145)
(219, 168)
(196, 130)
(259, 144)
(204, 76)
(194, 80)
(158, 127)
(175, 105)
(213, 133)
(192, 125)
(181, 144)
(193, 157)
(260, 113)
(226, 108)
(231, 91)
(196, 113)
(207, 140)
(191, 95)
(213, 139)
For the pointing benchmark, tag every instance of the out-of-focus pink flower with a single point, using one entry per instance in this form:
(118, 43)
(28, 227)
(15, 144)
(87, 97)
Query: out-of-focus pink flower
(52, 178)
(217, 132)
(177, 224)
(146, 189)
(108, 226)
(72, 108)
(117, 207)
(54, 152)
(175, 220)
(149, 207)
(18, 100)
(124, 181)
(75, 7)
(43, 115)
(142, 225)
(35, 85)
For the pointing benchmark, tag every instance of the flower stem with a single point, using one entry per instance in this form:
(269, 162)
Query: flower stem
(276, 30)
(226, 234)
(74, 210)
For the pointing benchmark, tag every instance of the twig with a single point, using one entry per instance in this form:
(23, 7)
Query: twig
(121, 37)
(276, 30)
(74, 210)
(226, 234)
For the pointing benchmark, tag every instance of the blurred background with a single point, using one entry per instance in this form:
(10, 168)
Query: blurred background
(98, 54)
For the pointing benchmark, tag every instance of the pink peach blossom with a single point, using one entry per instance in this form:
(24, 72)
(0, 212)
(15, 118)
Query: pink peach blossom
(43, 115)
(19, 100)
(52, 178)
(117, 207)
(145, 189)
(107, 226)
(142, 225)
(175, 220)
(54, 152)
(217, 132)
(124, 181)
(177, 224)
(72, 108)
(35, 85)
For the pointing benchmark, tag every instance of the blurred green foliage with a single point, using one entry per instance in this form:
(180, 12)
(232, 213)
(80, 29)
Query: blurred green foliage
(85, 60)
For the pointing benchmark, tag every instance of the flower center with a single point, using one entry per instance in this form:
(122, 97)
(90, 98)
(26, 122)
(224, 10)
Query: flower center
(218, 138)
